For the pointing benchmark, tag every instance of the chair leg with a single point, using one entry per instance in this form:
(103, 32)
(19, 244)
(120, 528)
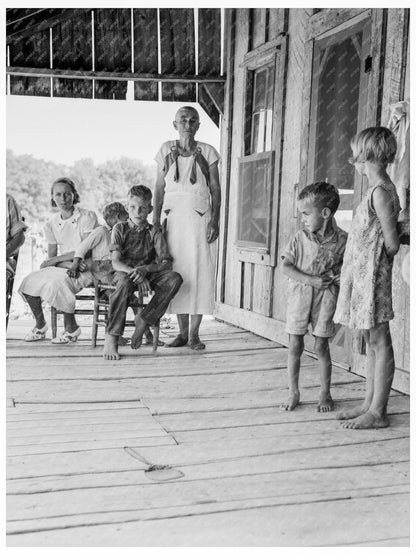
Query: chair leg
(54, 318)
(94, 325)
(156, 335)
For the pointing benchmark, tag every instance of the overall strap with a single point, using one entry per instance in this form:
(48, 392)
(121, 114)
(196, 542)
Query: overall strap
(172, 158)
(202, 163)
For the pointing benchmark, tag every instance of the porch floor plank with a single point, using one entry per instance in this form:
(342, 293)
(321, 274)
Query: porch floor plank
(236, 470)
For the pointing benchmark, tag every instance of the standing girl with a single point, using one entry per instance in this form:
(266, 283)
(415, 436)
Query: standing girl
(63, 233)
(365, 297)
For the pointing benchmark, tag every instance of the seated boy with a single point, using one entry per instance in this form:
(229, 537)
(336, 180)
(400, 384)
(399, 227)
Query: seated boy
(93, 254)
(141, 261)
(313, 261)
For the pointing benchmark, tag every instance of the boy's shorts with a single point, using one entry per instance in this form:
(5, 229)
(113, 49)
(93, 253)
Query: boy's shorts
(307, 305)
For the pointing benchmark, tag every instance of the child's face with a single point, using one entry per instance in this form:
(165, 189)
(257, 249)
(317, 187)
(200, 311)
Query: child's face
(311, 215)
(111, 221)
(63, 196)
(138, 210)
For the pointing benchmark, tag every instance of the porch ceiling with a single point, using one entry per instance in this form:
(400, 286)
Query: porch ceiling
(93, 53)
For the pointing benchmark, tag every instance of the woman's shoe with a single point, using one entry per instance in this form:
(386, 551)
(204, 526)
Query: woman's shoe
(67, 337)
(37, 334)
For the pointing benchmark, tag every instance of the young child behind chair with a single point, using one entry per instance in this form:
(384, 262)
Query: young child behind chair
(312, 261)
(95, 251)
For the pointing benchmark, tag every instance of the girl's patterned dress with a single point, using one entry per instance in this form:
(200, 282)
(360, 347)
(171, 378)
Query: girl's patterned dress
(365, 296)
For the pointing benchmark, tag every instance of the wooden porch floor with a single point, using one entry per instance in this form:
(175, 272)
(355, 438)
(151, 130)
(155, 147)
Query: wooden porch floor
(83, 435)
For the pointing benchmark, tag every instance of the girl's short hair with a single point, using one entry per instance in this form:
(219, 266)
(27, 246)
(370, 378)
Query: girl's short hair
(115, 209)
(321, 194)
(374, 144)
(68, 182)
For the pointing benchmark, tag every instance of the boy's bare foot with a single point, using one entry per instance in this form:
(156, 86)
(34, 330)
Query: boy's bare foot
(111, 347)
(179, 341)
(196, 344)
(325, 403)
(292, 402)
(367, 421)
(351, 413)
(136, 338)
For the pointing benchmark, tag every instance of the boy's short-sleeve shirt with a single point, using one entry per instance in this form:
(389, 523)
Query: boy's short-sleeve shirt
(139, 246)
(313, 257)
(98, 242)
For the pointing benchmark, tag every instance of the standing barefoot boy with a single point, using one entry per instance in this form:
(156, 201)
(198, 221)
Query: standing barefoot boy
(313, 261)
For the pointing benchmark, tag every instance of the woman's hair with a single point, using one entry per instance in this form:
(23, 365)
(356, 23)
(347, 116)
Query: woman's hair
(140, 191)
(68, 182)
(321, 194)
(115, 209)
(374, 144)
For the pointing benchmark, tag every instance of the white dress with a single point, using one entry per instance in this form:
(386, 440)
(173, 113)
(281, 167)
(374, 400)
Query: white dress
(187, 208)
(52, 284)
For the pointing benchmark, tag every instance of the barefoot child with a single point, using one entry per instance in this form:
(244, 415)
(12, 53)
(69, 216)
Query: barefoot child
(312, 261)
(94, 251)
(365, 298)
(141, 261)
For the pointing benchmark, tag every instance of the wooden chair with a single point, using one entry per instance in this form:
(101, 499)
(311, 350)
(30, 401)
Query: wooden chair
(101, 305)
(86, 294)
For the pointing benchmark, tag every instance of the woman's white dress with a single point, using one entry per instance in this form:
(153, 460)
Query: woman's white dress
(52, 284)
(187, 208)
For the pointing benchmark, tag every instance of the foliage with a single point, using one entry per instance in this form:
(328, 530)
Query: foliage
(29, 180)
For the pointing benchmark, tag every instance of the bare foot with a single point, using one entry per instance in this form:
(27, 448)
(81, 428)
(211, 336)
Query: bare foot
(351, 413)
(111, 347)
(292, 402)
(196, 344)
(325, 403)
(367, 421)
(136, 338)
(123, 341)
(179, 341)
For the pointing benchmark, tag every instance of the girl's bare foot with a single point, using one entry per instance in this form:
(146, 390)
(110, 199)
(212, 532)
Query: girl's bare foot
(367, 421)
(292, 402)
(325, 403)
(352, 413)
(111, 347)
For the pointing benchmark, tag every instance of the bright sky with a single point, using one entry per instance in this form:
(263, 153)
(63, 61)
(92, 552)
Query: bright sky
(65, 129)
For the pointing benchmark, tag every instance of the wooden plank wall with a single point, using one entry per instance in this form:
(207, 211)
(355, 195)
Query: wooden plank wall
(209, 60)
(177, 40)
(146, 50)
(72, 49)
(31, 51)
(251, 292)
(112, 43)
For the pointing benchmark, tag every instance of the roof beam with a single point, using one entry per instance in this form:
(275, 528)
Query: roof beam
(15, 30)
(113, 76)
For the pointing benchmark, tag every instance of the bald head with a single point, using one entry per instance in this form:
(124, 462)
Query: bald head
(187, 110)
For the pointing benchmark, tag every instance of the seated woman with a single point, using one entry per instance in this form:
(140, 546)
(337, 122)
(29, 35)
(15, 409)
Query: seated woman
(51, 283)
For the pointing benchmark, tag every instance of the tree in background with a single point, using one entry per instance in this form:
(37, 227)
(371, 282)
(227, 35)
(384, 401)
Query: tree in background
(29, 180)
